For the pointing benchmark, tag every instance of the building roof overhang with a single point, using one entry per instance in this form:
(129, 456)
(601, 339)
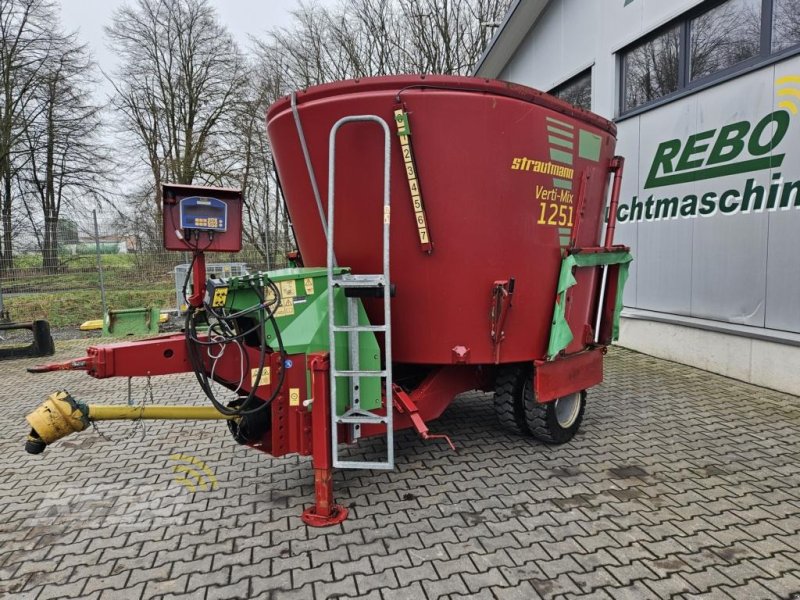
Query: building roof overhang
(518, 21)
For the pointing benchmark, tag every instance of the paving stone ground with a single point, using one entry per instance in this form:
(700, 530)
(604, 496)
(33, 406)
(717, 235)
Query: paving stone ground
(680, 484)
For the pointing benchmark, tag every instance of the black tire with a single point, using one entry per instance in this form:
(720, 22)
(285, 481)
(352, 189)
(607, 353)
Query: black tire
(546, 422)
(508, 409)
(518, 412)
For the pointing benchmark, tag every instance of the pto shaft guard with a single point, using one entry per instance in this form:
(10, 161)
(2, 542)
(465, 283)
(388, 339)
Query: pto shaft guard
(58, 416)
(61, 414)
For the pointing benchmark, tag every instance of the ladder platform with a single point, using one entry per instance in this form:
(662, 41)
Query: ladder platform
(358, 281)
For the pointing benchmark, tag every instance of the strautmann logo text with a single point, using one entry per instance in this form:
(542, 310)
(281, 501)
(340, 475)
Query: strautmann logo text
(739, 148)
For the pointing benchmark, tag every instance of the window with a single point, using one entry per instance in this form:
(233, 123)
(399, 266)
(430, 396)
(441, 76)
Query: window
(714, 41)
(651, 69)
(576, 90)
(785, 24)
(724, 36)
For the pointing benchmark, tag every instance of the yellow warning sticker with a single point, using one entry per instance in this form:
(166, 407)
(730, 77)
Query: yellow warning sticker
(294, 396)
(288, 289)
(220, 296)
(308, 284)
(286, 308)
(265, 376)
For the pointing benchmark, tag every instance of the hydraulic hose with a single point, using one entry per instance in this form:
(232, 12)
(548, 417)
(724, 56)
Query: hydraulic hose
(225, 333)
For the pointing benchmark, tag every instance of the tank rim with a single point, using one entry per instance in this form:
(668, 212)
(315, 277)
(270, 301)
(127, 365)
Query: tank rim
(443, 82)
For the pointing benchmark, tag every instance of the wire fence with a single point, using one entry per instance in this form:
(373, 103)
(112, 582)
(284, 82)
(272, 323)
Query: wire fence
(101, 268)
(122, 271)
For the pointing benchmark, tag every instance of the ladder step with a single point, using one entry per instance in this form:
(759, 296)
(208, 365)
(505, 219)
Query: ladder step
(361, 419)
(356, 281)
(348, 373)
(359, 327)
(354, 464)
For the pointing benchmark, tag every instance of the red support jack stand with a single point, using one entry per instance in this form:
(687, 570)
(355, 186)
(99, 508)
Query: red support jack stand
(325, 512)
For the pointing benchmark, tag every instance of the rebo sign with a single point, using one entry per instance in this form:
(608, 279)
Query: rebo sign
(736, 148)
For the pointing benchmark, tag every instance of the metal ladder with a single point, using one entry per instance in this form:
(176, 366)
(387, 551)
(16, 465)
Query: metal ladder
(356, 416)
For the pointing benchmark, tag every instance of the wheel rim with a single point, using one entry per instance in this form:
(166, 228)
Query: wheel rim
(567, 409)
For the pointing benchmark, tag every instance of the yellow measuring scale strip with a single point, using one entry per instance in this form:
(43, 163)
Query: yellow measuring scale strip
(404, 133)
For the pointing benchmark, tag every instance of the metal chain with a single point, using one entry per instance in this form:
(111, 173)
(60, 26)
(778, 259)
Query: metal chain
(138, 423)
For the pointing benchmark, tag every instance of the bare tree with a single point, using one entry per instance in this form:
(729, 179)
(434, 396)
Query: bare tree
(27, 41)
(246, 162)
(446, 36)
(380, 37)
(180, 78)
(254, 175)
(66, 161)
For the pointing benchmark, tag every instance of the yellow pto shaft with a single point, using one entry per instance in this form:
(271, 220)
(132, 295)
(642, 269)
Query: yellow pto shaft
(100, 412)
(61, 414)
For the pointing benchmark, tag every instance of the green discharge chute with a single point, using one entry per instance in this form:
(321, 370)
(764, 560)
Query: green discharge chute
(560, 333)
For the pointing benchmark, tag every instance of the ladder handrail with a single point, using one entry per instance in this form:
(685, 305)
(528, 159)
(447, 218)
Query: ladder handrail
(331, 262)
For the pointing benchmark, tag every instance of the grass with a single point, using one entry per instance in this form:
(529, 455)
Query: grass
(120, 271)
(72, 295)
(32, 261)
(76, 281)
(64, 309)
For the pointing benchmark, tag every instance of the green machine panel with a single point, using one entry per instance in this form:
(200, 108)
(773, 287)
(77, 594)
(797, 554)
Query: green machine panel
(302, 318)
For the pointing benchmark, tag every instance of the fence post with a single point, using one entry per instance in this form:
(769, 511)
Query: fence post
(3, 314)
(99, 265)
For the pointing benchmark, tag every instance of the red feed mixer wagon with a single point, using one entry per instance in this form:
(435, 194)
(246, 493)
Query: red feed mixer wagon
(453, 236)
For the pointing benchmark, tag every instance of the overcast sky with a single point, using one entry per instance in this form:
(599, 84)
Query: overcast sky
(241, 17)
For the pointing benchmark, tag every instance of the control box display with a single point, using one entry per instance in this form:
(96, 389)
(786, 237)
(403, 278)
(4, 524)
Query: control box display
(206, 214)
(205, 219)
